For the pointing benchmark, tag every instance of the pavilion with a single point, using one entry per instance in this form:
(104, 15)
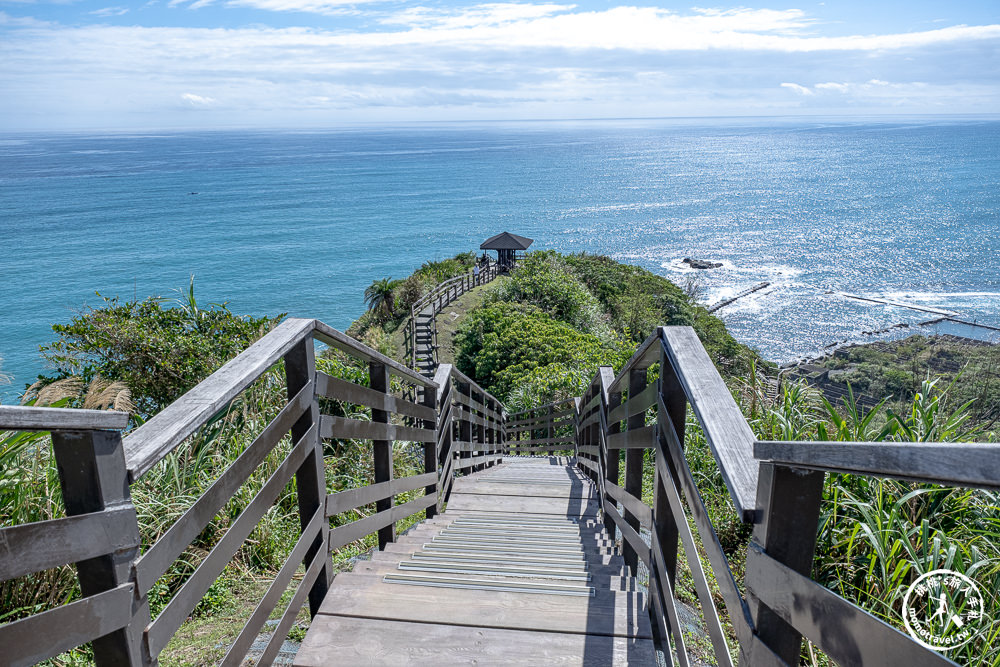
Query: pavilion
(506, 245)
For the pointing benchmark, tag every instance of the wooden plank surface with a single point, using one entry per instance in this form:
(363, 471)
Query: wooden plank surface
(26, 418)
(577, 490)
(571, 507)
(619, 614)
(360, 641)
(722, 421)
(149, 443)
(950, 463)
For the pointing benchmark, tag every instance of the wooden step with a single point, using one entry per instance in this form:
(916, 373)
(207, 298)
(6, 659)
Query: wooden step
(366, 641)
(621, 614)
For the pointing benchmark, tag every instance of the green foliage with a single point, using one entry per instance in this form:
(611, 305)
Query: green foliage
(379, 297)
(544, 280)
(508, 346)
(635, 299)
(159, 352)
(895, 371)
(877, 536)
(441, 270)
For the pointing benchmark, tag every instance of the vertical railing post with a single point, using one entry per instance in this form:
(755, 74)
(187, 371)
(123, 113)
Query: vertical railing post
(429, 399)
(481, 434)
(612, 459)
(93, 477)
(490, 433)
(464, 423)
(633, 464)
(413, 339)
(675, 401)
(310, 478)
(788, 505)
(550, 432)
(445, 435)
(578, 435)
(378, 377)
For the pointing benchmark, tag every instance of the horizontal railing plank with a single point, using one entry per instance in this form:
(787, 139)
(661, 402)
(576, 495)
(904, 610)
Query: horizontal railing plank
(634, 438)
(354, 531)
(351, 499)
(543, 408)
(33, 547)
(560, 414)
(541, 426)
(344, 343)
(42, 636)
(541, 441)
(342, 390)
(277, 639)
(238, 650)
(187, 598)
(161, 555)
(669, 448)
(647, 354)
(639, 509)
(459, 376)
(30, 418)
(629, 534)
(639, 403)
(149, 443)
(342, 427)
(722, 421)
(465, 464)
(843, 631)
(973, 464)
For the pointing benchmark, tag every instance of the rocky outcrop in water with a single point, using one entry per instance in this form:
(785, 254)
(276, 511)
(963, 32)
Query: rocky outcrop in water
(701, 263)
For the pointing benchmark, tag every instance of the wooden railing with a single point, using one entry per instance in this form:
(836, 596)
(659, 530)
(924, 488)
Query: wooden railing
(459, 424)
(545, 430)
(776, 486)
(440, 296)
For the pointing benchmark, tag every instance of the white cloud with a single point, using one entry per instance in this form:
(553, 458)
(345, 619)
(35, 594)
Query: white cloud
(491, 60)
(801, 90)
(839, 87)
(198, 100)
(328, 7)
(472, 17)
(110, 11)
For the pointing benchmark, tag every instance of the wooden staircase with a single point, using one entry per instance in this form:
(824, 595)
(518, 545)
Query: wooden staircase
(518, 571)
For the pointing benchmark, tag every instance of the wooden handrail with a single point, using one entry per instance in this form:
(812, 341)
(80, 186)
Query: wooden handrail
(776, 486)
(966, 464)
(462, 428)
(162, 433)
(29, 418)
(97, 468)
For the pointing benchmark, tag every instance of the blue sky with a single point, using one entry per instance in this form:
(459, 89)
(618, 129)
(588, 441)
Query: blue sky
(314, 63)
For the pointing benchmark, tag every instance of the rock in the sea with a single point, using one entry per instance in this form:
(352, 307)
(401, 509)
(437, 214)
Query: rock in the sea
(701, 263)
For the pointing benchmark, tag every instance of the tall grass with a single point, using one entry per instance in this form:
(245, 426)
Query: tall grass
(30, 492)
(877, 536)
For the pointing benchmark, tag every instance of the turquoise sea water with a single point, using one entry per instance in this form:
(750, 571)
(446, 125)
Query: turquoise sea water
(300, 222)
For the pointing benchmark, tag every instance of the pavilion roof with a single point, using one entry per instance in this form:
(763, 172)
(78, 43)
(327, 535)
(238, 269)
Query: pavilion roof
(506, 241)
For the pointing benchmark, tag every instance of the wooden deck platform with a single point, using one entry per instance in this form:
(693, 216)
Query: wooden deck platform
(517, 571)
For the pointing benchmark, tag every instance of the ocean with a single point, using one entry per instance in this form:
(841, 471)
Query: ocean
(300, 222)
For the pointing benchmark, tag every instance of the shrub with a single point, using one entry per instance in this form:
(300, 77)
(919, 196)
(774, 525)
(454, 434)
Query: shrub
(158, 351)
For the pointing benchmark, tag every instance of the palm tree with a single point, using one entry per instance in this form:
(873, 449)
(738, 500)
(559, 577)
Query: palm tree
(379, 295)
